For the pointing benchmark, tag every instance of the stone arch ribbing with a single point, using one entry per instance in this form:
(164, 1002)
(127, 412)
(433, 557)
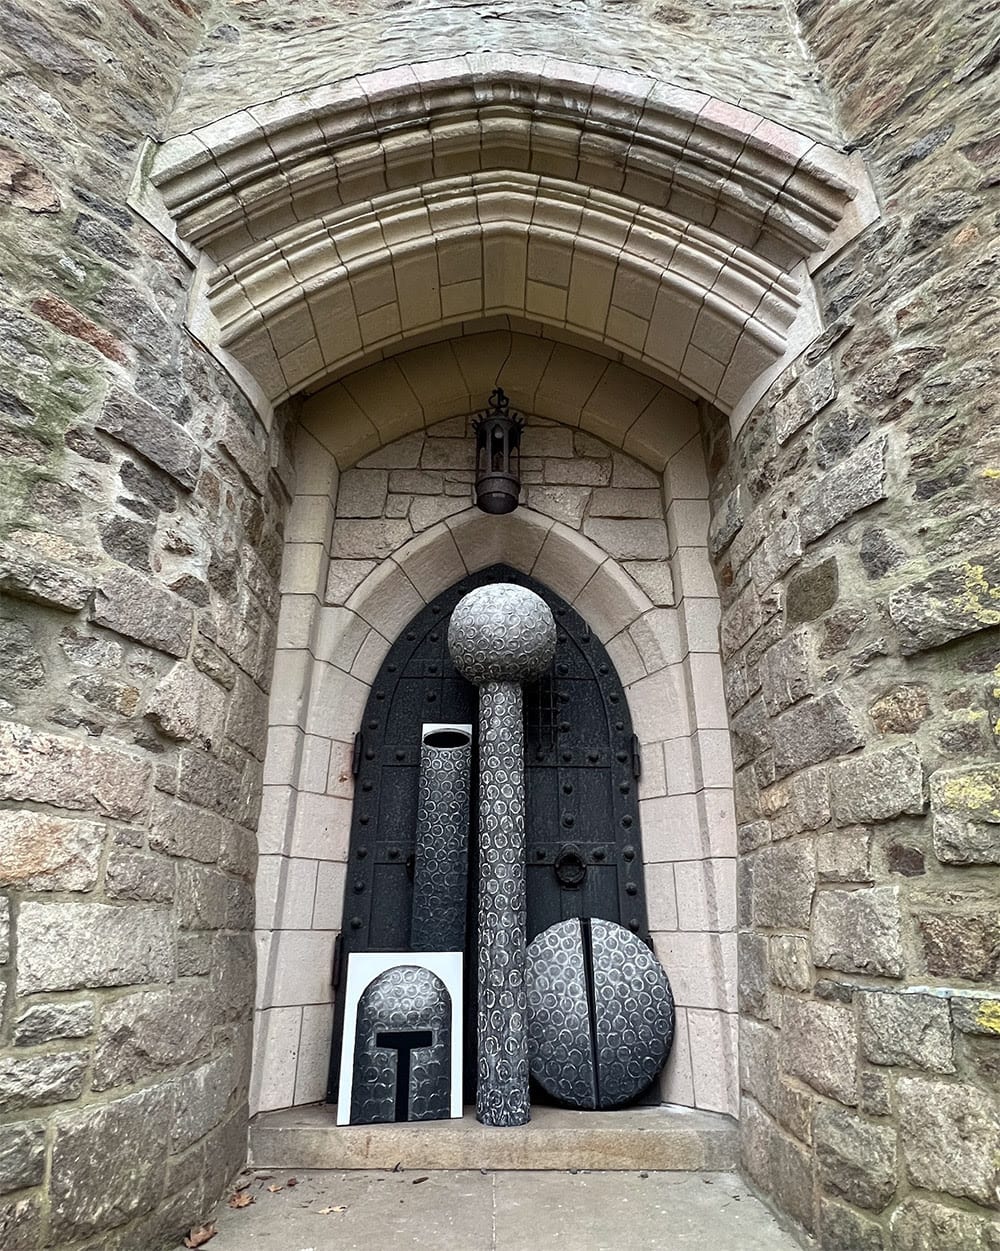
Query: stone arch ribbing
(653, 220)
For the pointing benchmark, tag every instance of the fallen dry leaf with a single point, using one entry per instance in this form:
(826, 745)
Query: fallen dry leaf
(241, 1199)
(274, 1189)
(417, 1180)
(199, 1235)
(341, 1207)
(292, 1181)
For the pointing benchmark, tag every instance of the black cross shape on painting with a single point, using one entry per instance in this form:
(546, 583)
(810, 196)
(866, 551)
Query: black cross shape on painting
(403, 1042)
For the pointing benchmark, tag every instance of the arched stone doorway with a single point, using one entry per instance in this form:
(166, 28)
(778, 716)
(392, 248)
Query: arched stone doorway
(582, 767)
(653, 605)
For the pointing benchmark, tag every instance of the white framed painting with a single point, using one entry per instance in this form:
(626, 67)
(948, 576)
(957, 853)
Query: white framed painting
(401, 1054)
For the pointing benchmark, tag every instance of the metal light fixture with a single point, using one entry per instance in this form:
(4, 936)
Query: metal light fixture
(498, 456)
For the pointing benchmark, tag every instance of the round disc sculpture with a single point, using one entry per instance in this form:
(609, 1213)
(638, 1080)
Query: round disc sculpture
(600, 1013)
(499, 637)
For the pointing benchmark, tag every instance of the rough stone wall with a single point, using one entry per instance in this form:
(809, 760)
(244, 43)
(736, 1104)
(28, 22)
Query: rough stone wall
(139, 546)
(856, 521)
(746, 54)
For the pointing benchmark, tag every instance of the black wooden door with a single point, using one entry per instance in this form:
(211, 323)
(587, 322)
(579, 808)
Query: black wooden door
(583, 843)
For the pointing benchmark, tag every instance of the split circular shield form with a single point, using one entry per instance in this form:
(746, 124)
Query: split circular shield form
(600, 1013)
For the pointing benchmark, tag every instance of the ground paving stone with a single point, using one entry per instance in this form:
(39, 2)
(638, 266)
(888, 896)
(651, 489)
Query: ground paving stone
(473, 1211)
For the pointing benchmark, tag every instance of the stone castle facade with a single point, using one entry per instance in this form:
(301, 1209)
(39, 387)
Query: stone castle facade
(738, 266)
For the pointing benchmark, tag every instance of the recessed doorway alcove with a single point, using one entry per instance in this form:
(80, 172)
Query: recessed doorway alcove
(643, 604)
(582, 767)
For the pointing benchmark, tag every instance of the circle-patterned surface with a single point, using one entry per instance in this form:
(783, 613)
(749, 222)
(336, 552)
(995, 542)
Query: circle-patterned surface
(401, 999)
(442, 856)
(501, 633)
(502, 1090)
(597, 1040)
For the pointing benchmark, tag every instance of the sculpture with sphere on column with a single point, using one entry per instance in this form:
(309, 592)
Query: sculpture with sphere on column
(500, 636)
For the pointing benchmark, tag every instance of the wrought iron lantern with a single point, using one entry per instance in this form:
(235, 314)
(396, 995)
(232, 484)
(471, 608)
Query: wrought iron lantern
(498, 456)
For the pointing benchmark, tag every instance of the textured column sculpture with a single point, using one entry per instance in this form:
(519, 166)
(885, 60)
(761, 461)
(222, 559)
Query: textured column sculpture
(500, 636)
(441, 864)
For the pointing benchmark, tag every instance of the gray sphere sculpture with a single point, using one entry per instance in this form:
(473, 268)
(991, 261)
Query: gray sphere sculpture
(501, 633)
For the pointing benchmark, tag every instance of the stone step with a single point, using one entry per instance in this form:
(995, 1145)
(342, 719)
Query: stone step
(660, 1138)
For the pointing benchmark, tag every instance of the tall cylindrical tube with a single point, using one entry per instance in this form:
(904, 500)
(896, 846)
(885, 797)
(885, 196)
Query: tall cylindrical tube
(441, 863)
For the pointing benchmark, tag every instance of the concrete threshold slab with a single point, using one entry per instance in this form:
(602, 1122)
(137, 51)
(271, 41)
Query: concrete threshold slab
(662, 1138)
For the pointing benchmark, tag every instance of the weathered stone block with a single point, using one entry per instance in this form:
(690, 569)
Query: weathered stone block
(209, 783)
(859, 931)
(784, 879)
(855, 483)
(976, 1014)
(41, 852)
(362, 540)
(27, 575)
(204, 1096)
(44, 1022)
(875, 1098)
(840, 1228)
(32, 1081)
(138, 425)
(4, 930)
(963, 945)
(629, 540)
(812, 731)
(726, 522)
(132, 875)
(362, 492)
(68, 773)
(22, 1156)
(246, 723)
(901, 710)
(922, 1225)
(791, 961)
(911, 1030)
(777, 1163)
(234, 973)
(856, 1158)
(140, 609)
(966, 808)
(622, 501)
(813, 591)
(877, 786)
(740, 621)
(182, 830)
(798, 803)
(21, 1225)
(880, 553)
(241, 441)
(819, 1044)
(65, 946)
(202, 897)
(780, 549)
(786, 673)
(953, 602)
(951, 1138)
(813, 391)
(134, 1132)
(186, 705)
(152, 1031)
(844, 856)
(754, 982)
